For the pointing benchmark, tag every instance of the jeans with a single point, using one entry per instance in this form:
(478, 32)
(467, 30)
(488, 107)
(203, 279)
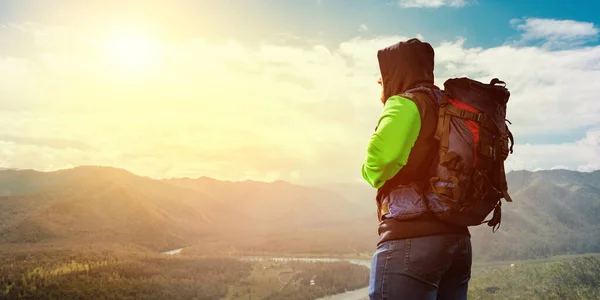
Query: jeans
(423, 268)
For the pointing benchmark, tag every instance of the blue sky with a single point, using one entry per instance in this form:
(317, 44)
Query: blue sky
(484, 23)
(276, 89)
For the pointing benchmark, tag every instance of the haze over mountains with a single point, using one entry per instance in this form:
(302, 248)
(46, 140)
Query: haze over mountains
(107, 204)
(554, 212)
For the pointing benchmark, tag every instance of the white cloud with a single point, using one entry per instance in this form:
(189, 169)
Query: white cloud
(556, 33)
(432, 3)
(582, 155)
(546, 98)
(227, 109)
(363, 28)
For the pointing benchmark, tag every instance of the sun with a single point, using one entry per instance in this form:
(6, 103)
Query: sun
(133, 50)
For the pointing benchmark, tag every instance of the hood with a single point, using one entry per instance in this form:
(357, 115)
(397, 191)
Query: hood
(405, 65)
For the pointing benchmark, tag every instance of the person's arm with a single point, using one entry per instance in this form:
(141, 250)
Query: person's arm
(390, 145)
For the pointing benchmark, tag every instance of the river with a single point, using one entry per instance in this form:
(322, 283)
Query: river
(172, 252)
(360, 294)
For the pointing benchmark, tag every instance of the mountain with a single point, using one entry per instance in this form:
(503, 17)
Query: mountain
(86, 204)
(296, 218)
(89, 203)
(280, 203)
(361, 194)
(554, 212)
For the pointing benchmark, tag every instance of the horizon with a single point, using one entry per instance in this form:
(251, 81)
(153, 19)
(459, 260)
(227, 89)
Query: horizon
(194, 88)
(298, 183)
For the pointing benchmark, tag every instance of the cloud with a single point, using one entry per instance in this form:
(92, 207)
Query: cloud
(581, 155)
(432, 3)
(541, 92)
(554, 33)
(363, 28)
(233, 111)
(56, 143)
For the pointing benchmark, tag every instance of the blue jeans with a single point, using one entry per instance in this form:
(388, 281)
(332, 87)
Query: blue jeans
(424, 268)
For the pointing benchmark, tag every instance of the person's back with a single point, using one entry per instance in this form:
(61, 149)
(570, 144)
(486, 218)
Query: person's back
(418, 256)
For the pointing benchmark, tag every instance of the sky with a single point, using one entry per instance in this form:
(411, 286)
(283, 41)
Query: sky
(277, 90)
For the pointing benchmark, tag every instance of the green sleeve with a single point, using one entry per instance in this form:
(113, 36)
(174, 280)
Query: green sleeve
(390, 145)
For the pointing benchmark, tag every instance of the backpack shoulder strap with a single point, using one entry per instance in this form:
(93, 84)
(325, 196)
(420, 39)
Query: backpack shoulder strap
(435, 93)
(442, 131)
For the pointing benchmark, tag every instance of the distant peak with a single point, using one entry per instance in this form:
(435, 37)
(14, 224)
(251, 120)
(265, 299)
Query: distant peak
(545, 171)
(99, 168)
(98, 171)
(10, 169)
(278, 182)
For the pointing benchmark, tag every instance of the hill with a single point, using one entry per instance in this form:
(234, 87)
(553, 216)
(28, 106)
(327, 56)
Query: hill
(282, 204)
(101, 204)
(555, 212)
(96, 204)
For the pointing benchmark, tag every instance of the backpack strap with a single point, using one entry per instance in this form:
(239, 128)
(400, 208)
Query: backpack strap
(512, 139)
(465, 114)
(480, 118)
(442, 102)
(442, 132)
(496, 219)
(435, 93)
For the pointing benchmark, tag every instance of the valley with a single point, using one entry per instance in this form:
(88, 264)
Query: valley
(101, 226)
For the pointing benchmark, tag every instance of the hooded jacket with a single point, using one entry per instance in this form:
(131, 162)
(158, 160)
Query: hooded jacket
(403, 144)
(406, 65)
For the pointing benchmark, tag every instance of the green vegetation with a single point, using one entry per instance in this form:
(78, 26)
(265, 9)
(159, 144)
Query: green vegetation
(577, 278)
(292, 280)
(107, 276)
(329, 278)
(142, 275)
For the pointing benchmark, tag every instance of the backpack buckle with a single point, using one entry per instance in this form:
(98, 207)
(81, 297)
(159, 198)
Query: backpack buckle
(480, 117)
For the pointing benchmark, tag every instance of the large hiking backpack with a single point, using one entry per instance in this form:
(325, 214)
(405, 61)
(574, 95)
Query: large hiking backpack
(468, 178)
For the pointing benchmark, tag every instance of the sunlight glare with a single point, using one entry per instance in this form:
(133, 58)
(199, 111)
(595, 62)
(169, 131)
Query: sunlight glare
(133, 50)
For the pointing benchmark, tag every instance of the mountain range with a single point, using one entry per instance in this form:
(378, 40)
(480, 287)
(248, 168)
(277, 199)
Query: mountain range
(97, 204)
(553, 212)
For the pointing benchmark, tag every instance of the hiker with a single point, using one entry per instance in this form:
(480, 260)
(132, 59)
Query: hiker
(437, 161)
(418, 256)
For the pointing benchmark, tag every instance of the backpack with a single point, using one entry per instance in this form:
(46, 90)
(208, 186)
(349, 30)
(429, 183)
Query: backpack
(468, 179)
